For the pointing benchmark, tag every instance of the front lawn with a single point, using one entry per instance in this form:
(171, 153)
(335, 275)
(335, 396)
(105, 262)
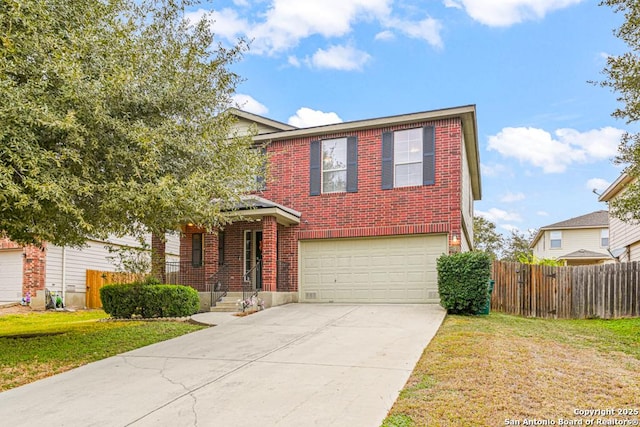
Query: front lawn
(504, 370)
(40, 344)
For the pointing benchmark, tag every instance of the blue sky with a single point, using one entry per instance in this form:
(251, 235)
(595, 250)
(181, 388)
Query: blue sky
(546, 135)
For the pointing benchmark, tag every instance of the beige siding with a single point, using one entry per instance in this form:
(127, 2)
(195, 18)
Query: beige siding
(467, 201)
(572, 240)
(246, 127)
(622, 234)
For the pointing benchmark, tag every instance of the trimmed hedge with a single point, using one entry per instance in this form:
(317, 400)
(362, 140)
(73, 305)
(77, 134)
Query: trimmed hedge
(149, 300)
(463, 281)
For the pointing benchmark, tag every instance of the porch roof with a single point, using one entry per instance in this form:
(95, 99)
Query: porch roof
(255, 207)
(585, 254)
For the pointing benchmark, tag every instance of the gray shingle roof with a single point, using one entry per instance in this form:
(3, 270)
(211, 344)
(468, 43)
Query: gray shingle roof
(593, 219)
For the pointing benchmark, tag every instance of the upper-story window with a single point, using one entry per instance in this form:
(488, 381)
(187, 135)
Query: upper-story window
(333, 166)
(604, 237)
(556, 239)
(408, 158)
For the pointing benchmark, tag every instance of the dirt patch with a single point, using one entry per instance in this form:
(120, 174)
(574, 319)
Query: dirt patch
(16, 309)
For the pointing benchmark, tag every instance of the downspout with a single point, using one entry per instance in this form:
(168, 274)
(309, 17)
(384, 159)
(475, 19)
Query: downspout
(64, 275)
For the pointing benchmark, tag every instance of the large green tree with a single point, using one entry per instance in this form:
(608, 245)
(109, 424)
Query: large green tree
(113, 119)
(486, 238)
(517, 246)
(622, 74)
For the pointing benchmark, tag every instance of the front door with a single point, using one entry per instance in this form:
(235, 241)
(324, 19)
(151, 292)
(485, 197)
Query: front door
(253, 257)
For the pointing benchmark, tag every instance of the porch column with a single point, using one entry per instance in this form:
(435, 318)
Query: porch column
(210, 256)
(269, 253)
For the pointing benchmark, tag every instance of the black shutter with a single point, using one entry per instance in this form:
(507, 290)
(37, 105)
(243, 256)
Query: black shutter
(315, 177)
(428, 155)
(387, 160)
(352, 164)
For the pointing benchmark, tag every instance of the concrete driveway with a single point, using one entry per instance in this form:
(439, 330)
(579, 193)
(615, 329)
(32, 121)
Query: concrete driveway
(293, 365)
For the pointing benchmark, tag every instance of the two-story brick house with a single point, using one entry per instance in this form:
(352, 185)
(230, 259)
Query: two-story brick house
(350, 212)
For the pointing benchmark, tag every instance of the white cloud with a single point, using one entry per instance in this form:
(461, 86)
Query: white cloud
(285, 23)
(226, 22)
(306, 117)
(248, 103)
(512, 197)
(385, 35)
(503, 13)
(554, 153)
(598, 184)
(510, 227)
(493, 170)
(427, 29)
(346, 58)
(542, 213)
(293, 60)
(289, 21)
(497, 215)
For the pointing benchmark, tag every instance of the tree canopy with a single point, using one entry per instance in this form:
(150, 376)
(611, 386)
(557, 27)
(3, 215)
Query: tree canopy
(113, 119)
(622, 74)
(486, 238)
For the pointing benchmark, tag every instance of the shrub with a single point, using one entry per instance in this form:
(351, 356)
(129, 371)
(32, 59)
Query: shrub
(148, 300)
(463, 280)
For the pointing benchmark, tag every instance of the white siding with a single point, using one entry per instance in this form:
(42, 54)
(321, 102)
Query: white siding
(95, 256)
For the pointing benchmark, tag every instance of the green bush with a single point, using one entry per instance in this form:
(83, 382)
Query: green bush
(463, 280)
(149, 300)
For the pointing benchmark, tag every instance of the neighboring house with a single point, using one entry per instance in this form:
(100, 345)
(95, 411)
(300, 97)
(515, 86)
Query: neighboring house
(582, 240)
(350, 212)
(62, 269)
(624, 236)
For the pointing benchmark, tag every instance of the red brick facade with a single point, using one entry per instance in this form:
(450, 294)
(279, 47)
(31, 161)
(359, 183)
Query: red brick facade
(369, 212)
(33, 266)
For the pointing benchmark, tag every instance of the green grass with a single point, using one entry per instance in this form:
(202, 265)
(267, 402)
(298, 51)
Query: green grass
(37, 345)
(483, 370)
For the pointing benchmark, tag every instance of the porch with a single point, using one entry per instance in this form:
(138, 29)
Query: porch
(254, 255)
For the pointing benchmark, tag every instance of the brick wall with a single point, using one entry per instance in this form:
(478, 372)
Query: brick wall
(370, 212)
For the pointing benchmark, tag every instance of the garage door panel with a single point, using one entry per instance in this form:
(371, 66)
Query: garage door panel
(390, 269)
(10, 275)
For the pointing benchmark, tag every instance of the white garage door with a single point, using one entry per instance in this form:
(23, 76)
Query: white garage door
(10, 276)
(376, 270)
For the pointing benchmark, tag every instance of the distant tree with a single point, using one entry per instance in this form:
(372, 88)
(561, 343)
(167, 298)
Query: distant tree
(113, 120)
(517, 246)
(486, 238)
(623, 77)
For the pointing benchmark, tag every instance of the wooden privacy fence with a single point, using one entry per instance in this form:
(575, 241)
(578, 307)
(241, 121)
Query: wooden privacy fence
(97, 279)
(604, 291)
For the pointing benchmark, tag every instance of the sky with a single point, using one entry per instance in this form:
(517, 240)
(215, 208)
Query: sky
(545, 131)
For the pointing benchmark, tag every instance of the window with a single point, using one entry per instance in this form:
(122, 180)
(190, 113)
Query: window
(196, 249)
(556, 239)
(604, 237)
(408, 158)
(334, 165)
(220, 247)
